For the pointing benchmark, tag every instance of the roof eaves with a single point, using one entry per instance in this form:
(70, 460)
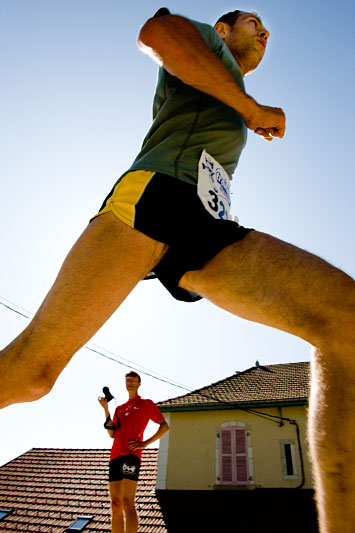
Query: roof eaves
(234, 405)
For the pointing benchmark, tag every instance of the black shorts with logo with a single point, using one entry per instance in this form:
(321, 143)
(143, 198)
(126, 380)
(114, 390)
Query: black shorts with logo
(124, 466)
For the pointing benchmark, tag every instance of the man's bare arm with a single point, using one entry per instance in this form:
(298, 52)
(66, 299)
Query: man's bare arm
(110, 427)
(136, 445)
(177, 44)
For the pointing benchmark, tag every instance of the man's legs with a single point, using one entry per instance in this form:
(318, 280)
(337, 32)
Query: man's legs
(129, 488)
(266, 280)
(117, 519)
(101, 269)
(124, 513)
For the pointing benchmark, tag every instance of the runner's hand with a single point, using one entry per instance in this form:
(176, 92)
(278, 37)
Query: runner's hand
(102, 401)
(269, 122)
(135, 445)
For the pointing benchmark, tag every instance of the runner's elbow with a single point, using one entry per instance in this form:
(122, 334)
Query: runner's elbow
(157, 30)
(165, 426)
(149, 33)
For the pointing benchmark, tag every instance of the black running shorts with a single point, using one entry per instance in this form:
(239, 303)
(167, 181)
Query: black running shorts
(170, 211)
(124, 466)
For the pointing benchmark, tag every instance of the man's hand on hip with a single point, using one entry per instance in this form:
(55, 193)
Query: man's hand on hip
(135, 445)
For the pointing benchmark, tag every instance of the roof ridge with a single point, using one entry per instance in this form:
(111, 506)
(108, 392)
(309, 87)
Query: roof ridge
(285, 381)
(197, 391)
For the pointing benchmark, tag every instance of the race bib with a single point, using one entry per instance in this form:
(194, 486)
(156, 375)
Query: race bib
(213, 187)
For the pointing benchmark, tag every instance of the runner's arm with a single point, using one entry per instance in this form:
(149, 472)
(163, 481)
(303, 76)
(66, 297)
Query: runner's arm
(108, 422)
(176, 44)
(136, 445)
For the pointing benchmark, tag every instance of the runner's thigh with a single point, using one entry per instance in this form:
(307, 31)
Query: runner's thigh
(266, 280)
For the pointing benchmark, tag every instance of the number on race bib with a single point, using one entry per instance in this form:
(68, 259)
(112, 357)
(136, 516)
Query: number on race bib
(213, 206)
(213, 187)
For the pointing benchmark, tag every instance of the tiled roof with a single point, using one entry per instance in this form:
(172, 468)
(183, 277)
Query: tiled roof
(47, 489)
(259, 384)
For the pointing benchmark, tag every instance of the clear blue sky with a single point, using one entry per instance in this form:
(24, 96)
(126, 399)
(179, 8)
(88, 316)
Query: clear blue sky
(75, 105)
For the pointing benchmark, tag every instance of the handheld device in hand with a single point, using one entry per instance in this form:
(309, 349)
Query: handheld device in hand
(107, 394)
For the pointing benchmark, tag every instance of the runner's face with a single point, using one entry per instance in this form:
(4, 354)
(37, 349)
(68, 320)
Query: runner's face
(246, 40)
(132, 383)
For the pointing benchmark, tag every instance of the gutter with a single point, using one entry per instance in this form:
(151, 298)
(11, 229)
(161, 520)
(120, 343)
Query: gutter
(232, 405)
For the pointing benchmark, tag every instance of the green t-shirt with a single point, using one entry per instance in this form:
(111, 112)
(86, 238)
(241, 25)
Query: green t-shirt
(186, 121)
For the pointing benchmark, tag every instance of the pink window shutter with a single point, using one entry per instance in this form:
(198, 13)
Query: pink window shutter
(241, 456)
(226, 457)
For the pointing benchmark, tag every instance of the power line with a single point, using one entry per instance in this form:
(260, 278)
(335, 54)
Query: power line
(163, 379)
(231, 405)
(140, 366)
(99, 350)
(141, 371)
(14, 310)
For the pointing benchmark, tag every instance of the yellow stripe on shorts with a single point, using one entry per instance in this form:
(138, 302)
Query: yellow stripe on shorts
(127, 194)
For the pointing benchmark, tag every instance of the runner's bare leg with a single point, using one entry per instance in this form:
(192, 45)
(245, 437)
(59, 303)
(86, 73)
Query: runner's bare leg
(266, 280)
(261, 279)
(101, 269)
(129, 488)
(124, 513)
(117, 518)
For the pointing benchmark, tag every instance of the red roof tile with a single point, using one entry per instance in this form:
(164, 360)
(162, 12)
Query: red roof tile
(259, 384)
(48, 488)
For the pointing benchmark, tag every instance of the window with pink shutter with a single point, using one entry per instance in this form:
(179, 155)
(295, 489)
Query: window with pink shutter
(234, 456)
(226, 456)
(241, 453)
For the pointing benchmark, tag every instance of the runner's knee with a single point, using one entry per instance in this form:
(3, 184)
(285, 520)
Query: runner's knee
(41, 381)
(39, 385)
(339, 316)
(128, 503)
(116, 503)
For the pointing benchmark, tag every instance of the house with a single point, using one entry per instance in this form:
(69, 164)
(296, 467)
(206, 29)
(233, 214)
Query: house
(235, 460)
(240, 445)
(46, 490)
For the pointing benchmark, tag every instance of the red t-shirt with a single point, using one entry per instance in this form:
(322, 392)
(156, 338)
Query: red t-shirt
(134, 416)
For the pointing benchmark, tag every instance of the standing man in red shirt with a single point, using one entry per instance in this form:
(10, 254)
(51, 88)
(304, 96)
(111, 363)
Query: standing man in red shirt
(127, 428)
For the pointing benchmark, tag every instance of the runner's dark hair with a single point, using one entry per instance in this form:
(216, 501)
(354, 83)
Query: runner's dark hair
(230, 18)
(133, 374)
